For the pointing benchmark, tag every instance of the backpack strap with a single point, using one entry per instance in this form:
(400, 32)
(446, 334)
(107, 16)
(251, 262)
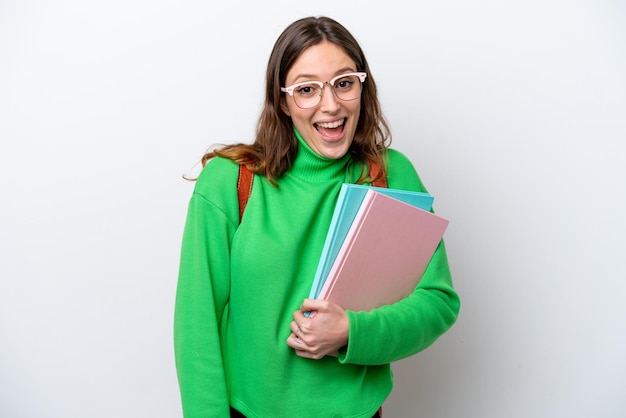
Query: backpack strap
(244, 187)
(244, 184)
(374, 169)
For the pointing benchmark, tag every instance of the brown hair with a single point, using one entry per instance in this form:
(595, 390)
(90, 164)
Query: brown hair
(276, 145)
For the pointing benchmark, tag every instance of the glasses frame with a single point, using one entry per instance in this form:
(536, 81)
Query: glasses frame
(289, 89)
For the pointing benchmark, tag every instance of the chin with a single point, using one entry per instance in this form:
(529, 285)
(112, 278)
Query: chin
(334, 153)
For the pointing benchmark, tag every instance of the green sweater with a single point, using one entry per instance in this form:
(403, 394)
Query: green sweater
(239, 285)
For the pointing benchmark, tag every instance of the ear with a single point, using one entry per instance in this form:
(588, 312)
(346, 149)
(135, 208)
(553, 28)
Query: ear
(283, 105)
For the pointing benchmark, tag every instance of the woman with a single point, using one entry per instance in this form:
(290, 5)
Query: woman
(244, 346)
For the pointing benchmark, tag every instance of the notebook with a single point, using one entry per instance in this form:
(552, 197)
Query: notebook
(348, 203)
(384, 254)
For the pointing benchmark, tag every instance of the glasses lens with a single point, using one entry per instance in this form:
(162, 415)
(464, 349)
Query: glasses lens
(348, 87)
(307, 95)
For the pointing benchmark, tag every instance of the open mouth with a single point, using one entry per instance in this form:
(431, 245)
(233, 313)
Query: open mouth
(331, 130)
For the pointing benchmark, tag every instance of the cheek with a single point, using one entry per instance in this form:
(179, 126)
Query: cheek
(356, 115)
(354, 107)
(300, 115)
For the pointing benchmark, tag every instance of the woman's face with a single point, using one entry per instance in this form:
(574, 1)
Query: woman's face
(329, 127)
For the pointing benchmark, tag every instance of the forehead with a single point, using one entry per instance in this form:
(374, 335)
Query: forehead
(322, 61)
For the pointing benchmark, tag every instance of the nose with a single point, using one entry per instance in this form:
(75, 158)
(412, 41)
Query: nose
(329, 102)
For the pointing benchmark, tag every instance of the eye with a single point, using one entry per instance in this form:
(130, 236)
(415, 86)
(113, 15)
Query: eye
(345, 83)
(307, 90)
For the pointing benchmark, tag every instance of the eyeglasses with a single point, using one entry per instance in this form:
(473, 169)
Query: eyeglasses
(308, 94)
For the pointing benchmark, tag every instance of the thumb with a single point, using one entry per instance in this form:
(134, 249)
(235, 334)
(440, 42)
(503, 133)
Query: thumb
(312, 306)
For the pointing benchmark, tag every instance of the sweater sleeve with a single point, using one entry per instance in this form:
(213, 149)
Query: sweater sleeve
(202, 301)
(397, 331)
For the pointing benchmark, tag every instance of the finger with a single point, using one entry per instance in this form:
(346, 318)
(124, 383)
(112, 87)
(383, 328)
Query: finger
(299, 317)
(312, 305)
(296, 343)
(296, 329)
(302, 349)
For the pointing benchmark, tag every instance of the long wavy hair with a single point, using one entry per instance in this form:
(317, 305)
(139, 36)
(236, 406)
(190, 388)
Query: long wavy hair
(275, 147)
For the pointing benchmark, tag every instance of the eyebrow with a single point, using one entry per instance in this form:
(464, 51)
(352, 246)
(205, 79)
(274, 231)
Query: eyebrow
(311, 77)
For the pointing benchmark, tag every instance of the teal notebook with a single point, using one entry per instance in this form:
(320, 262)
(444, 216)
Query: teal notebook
(348, 203)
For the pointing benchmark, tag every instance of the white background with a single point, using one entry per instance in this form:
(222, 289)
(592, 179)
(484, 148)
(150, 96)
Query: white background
(514, 113)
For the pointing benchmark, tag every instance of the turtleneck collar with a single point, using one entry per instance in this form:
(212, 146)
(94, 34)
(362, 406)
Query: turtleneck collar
(311, 166)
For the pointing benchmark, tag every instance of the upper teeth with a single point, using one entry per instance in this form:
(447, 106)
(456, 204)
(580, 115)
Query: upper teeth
(331, 124)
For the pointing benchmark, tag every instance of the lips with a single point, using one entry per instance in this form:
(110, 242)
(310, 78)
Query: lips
(331, 131)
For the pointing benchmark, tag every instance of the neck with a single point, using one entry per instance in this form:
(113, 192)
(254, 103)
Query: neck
(311, 166)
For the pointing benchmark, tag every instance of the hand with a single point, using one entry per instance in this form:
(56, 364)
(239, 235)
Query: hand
(322, 333)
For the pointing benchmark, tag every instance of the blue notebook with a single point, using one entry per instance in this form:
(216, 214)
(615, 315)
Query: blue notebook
(348, 203)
